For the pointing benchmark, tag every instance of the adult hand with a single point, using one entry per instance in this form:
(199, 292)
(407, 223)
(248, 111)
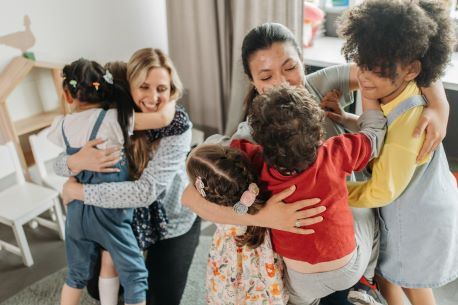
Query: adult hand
(93, 159)
(278, 215)
(72, 190)
(330, 103)
(435, 126)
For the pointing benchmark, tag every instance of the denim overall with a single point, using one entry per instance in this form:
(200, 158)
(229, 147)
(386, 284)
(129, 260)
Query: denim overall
(90, 228)
(419, 230)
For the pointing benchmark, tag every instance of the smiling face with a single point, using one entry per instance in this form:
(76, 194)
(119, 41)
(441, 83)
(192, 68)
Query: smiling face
(153, 91)
(279, 64)
(377, 87)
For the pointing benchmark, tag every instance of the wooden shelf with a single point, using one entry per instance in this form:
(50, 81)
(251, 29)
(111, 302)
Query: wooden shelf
(35, 122)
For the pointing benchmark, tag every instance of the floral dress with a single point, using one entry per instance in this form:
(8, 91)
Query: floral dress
(241, 275)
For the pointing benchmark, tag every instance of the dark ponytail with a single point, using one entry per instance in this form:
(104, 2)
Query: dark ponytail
(91, 83)
(260, 38)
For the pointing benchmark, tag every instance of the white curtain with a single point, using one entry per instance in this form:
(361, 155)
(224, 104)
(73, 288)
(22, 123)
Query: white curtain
(205, 39)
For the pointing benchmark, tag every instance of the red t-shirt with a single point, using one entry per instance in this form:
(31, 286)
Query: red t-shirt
(334, 237)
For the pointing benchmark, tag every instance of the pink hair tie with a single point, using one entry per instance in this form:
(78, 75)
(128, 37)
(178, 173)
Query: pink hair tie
(199, 184)
(247, 199)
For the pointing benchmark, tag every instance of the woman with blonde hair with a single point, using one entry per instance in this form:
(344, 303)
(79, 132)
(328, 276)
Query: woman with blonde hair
(161, 177)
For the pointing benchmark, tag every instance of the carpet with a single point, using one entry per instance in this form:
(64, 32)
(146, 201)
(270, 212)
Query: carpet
(47, 290)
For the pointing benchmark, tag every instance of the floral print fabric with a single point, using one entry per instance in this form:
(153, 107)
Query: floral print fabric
(241, 275)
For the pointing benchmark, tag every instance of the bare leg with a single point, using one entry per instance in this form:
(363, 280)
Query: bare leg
(420, 296)
(391, 292)
(108, 281)
(70, 296)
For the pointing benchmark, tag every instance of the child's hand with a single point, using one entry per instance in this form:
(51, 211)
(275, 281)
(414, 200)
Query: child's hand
(330, 103)
(289, 217)
(72, 190)
(93, 159)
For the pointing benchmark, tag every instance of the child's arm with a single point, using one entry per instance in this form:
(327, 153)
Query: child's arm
(434, 119)
(275, 214)
(155, 120)
(372, 123)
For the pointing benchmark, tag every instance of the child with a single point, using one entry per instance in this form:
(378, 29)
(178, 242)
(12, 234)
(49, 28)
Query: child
(242, 268)
(90, 91)
(399, 46)
(288, 125)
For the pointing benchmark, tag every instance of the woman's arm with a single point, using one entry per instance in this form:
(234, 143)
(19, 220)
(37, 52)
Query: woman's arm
(155, 120)
(88, 158)
(434, 119)
(155, 180)
(276, 214)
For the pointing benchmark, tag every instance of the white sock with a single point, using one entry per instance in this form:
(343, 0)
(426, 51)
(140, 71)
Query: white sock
(108, 290)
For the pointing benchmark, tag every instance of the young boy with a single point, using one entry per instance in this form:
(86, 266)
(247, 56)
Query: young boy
(288, 125)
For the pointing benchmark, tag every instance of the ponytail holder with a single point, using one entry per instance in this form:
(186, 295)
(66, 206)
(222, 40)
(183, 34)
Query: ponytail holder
(108, 77)
(199, 184)
(73, 83)
(96, 85)
(247, 199)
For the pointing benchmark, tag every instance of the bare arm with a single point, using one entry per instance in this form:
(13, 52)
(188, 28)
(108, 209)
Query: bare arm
(434, 118)
(276, 214)
(155, 120)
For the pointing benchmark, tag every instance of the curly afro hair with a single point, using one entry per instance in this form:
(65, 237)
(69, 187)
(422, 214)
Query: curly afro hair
(288, 123)
(385, 33)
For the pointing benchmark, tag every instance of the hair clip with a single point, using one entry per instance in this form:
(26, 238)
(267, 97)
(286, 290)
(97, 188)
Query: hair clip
(108, 77)
(199, 184)
(247, 199)
(96, 85)
(73, 83)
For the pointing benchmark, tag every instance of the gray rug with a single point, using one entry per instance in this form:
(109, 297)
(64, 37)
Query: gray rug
(47, 291)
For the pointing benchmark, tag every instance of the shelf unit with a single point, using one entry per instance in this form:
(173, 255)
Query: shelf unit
(13, 74)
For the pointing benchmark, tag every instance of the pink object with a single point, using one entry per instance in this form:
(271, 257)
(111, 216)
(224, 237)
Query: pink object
(249, 196)
(313, 17)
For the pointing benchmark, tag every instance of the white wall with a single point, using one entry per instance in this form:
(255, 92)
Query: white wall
(102, 30)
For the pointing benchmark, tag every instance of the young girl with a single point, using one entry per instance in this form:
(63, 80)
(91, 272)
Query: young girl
(90, 90)
(399, 46)
(242, 268)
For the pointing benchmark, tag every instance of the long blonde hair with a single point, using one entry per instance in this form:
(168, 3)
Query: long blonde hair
(138, 67)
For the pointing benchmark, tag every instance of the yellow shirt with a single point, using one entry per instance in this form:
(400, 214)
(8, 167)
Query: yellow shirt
(395, 167)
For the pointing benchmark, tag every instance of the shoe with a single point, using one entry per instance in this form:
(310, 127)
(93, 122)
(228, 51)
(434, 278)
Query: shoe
(365, 293)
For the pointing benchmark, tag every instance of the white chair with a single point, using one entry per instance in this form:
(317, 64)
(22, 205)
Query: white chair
(22, 202)
(197, 137)
(44, 151)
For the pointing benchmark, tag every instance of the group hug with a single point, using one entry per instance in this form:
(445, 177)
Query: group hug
(308, 199)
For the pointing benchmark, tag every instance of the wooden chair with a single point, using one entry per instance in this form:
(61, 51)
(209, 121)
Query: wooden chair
(24, 201)
(197, 137)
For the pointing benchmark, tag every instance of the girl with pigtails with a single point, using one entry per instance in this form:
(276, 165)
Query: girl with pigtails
(101, 108)
(242, 267)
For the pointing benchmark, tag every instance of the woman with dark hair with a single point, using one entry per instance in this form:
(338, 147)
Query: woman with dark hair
(270, 57)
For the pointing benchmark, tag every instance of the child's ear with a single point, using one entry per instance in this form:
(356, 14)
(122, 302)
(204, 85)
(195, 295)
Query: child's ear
(68, 96)
(413, 69)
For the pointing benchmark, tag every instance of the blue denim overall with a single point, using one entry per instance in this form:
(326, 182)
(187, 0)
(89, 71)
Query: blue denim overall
(419, 230)
(90, 228)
